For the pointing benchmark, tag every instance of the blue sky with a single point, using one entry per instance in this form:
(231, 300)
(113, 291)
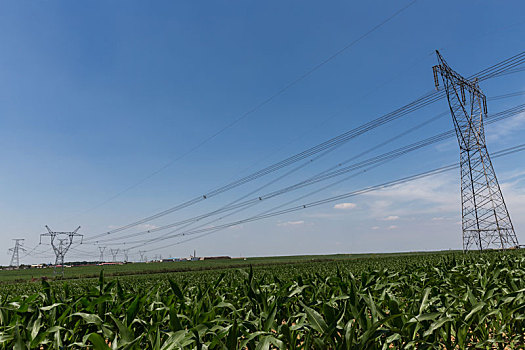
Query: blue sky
(96, 96)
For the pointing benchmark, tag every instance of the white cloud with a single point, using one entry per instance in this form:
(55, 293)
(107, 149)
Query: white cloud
(375, 227)
(441, 218)
(323, 215)
(377, 208)
(391, 218)
(435, 195)
(447, 146)
(439, 197)
(291, 223)
(516, 174)
(381, 204)
(147, 226)
(345, 206)
(499, 131)
(392, 227)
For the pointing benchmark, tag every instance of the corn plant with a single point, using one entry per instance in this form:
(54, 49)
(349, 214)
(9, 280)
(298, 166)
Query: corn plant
(417, 302)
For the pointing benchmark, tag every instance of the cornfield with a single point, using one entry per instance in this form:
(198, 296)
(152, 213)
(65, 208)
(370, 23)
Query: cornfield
(418, 302)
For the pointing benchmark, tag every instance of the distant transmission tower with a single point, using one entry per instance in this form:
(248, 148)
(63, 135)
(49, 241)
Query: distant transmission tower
(114, 253)
(101, 249)
(61, 242)
(125, 252)
(15, 259)
(141, 252)
(485, 218)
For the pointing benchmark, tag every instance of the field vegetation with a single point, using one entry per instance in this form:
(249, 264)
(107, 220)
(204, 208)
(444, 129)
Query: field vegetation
(430, 301)
(93, 271)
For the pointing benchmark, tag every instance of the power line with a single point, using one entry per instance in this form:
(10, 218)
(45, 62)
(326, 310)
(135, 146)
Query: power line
(271, 213)
(259, 198)
(30, 251)
(259, 105)
(512, 94)
(367, 165)
(425, 100)
(331, 172)
(500, 70)
(371, 163)
(492, 118)
(210, 230)
(235, 204)
(378, 161)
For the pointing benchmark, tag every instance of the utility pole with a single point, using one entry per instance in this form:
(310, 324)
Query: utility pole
(485, 218)
(15, 258)
(61, 242)
(101, 249)
(141, 252)
(114, 253)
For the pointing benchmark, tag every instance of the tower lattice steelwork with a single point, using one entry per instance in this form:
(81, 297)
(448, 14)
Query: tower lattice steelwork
(61, 242)
(485, 218)
(101, 249)
(114, 253)
(15, 258)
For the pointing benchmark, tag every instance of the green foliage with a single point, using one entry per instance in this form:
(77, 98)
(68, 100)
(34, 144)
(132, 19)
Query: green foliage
(409, 302)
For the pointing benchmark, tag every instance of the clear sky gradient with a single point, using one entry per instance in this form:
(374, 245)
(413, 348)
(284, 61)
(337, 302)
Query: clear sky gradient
(97, 96)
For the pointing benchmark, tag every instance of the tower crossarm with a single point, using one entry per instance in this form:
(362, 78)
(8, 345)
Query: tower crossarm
(61, 242)
(472, 86)
(468, 105)
(15, 258)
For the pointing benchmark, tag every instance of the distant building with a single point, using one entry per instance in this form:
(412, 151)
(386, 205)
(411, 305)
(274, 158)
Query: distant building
(194, 257)
(110, 263)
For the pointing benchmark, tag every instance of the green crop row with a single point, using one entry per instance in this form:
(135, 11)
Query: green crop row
(414, 302)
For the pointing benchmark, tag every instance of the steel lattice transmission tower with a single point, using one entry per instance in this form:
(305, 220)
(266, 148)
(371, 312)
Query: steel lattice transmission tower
(485, 218)
(114, 253)
(61, 242)
(125, 252)
(101, 249)
(15, 258)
